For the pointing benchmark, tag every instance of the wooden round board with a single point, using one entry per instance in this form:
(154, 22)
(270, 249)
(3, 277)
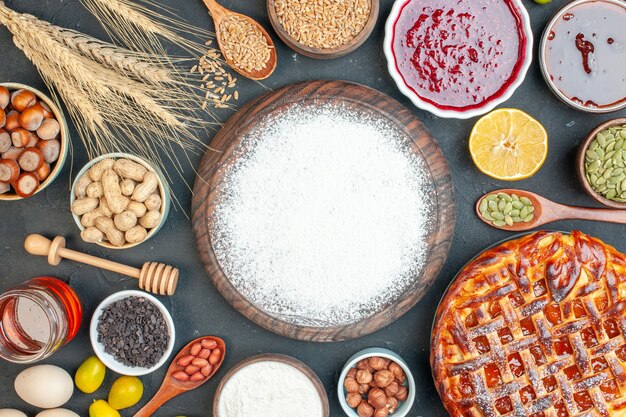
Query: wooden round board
(418, 142)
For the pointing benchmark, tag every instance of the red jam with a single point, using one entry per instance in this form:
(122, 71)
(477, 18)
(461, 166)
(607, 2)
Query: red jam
(585, 54)
(459, 54)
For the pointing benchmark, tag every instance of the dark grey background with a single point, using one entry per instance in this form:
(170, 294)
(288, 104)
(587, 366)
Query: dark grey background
(197, 307)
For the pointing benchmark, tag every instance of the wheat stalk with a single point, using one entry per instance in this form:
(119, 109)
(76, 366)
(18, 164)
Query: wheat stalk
(140, 28)
(118, 99)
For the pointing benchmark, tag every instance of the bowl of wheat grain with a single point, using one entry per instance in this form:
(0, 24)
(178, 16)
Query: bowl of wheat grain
(323, 32)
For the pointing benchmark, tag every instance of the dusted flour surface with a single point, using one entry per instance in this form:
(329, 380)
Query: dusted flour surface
(322, 217)
(269, 389)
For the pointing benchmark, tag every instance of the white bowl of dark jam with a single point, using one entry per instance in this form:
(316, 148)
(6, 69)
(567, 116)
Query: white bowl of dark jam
(582, 55)
(458, 59)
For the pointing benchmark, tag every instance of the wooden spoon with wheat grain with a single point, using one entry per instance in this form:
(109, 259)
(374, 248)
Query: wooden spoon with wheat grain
(238, 62)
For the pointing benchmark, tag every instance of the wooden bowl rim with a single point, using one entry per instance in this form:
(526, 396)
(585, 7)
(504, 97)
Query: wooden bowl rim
(64, 139)
(164, 194)
(274, 357)
(442, 228)
(580, 163)
(323, 53)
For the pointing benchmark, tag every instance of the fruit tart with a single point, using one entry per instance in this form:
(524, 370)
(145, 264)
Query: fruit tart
(534, 327)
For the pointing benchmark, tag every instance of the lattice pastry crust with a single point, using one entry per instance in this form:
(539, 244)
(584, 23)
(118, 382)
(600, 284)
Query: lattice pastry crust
(535, 327)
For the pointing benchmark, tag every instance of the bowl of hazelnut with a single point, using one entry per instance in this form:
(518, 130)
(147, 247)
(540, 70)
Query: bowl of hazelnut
(376, 382)
(119, 200)
(34, 141)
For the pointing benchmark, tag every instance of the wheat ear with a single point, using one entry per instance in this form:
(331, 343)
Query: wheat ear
(119, 100)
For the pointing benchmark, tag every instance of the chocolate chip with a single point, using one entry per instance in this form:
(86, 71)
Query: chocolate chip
(134, 332)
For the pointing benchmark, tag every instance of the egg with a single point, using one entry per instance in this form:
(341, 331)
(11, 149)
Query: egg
(57, 412)
(44, 386)
(9, 412)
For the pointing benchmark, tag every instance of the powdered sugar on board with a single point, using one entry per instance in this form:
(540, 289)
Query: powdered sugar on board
(323, 213)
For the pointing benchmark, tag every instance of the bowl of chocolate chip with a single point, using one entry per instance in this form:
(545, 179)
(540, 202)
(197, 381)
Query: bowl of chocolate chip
(132, 333)
(376, 382)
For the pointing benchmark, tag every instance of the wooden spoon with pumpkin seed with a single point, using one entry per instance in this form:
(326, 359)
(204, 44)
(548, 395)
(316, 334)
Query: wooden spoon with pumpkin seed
(519, 210)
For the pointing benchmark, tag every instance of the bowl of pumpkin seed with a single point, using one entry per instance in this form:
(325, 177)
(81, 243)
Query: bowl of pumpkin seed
(601, 163)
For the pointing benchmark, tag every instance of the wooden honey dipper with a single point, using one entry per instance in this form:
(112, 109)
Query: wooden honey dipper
(153, 277)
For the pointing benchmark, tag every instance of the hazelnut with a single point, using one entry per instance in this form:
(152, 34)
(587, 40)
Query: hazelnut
(353, 399)
(49, 129)
(351, 373)
(402, 393)
(397, 371)
(381, 412)
(377, 363)
(12, 121)
(392, 389)
(383, 378)
(364, 409)
(377, 398)
(22, 99)
(363, 376)
(5, 97)
(363, 388)
(351, 385)
(392, 404)
(31, 118)
(364, 364)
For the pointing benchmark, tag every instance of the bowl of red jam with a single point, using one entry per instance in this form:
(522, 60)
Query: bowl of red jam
(583, 55)
(458, 58)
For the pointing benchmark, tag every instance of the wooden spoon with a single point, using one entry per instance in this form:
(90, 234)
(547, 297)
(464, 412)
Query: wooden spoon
(172, 387)
(547, 211)
(219, 13)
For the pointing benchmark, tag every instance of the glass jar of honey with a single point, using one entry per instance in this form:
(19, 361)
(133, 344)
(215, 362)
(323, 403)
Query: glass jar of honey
(37, 318)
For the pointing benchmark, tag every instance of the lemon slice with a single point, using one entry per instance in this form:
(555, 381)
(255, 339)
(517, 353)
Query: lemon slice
(508, 144)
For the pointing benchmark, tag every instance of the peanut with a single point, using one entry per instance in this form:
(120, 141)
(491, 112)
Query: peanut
(95, 189)
(185, 360)
(153, 202)
(80, 188)
(204, 353)
(96, 171)
(138, 208)
(92, 235)
(136, 234)
(129, 169)
(191, 369)
(125, 221)
(206, 370)
(197, 377)
(151, 219)
(215, 356)
(180, 376)
(200, 362)
(104, 207)
(147, 187)
(89, 219)
(208, 343)
(84, 205)
(195, 349)
(128, 186)
(106, 226)
(113, 193)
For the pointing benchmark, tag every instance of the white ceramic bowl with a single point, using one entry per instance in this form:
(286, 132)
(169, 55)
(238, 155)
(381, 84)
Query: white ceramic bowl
(404, 407)
(163, 192)
(109, 360)
(458, 114)
(543, 50)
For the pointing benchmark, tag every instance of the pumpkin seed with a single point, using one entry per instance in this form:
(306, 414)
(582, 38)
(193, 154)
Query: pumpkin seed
(497, 215)
(611, 194)
(505, 209)
(483, 206)
(529, 218)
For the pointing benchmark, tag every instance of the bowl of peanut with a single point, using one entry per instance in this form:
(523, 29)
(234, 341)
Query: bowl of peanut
(118, 201)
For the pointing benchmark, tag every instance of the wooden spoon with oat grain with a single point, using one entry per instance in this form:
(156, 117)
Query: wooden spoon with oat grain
(256, 57)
